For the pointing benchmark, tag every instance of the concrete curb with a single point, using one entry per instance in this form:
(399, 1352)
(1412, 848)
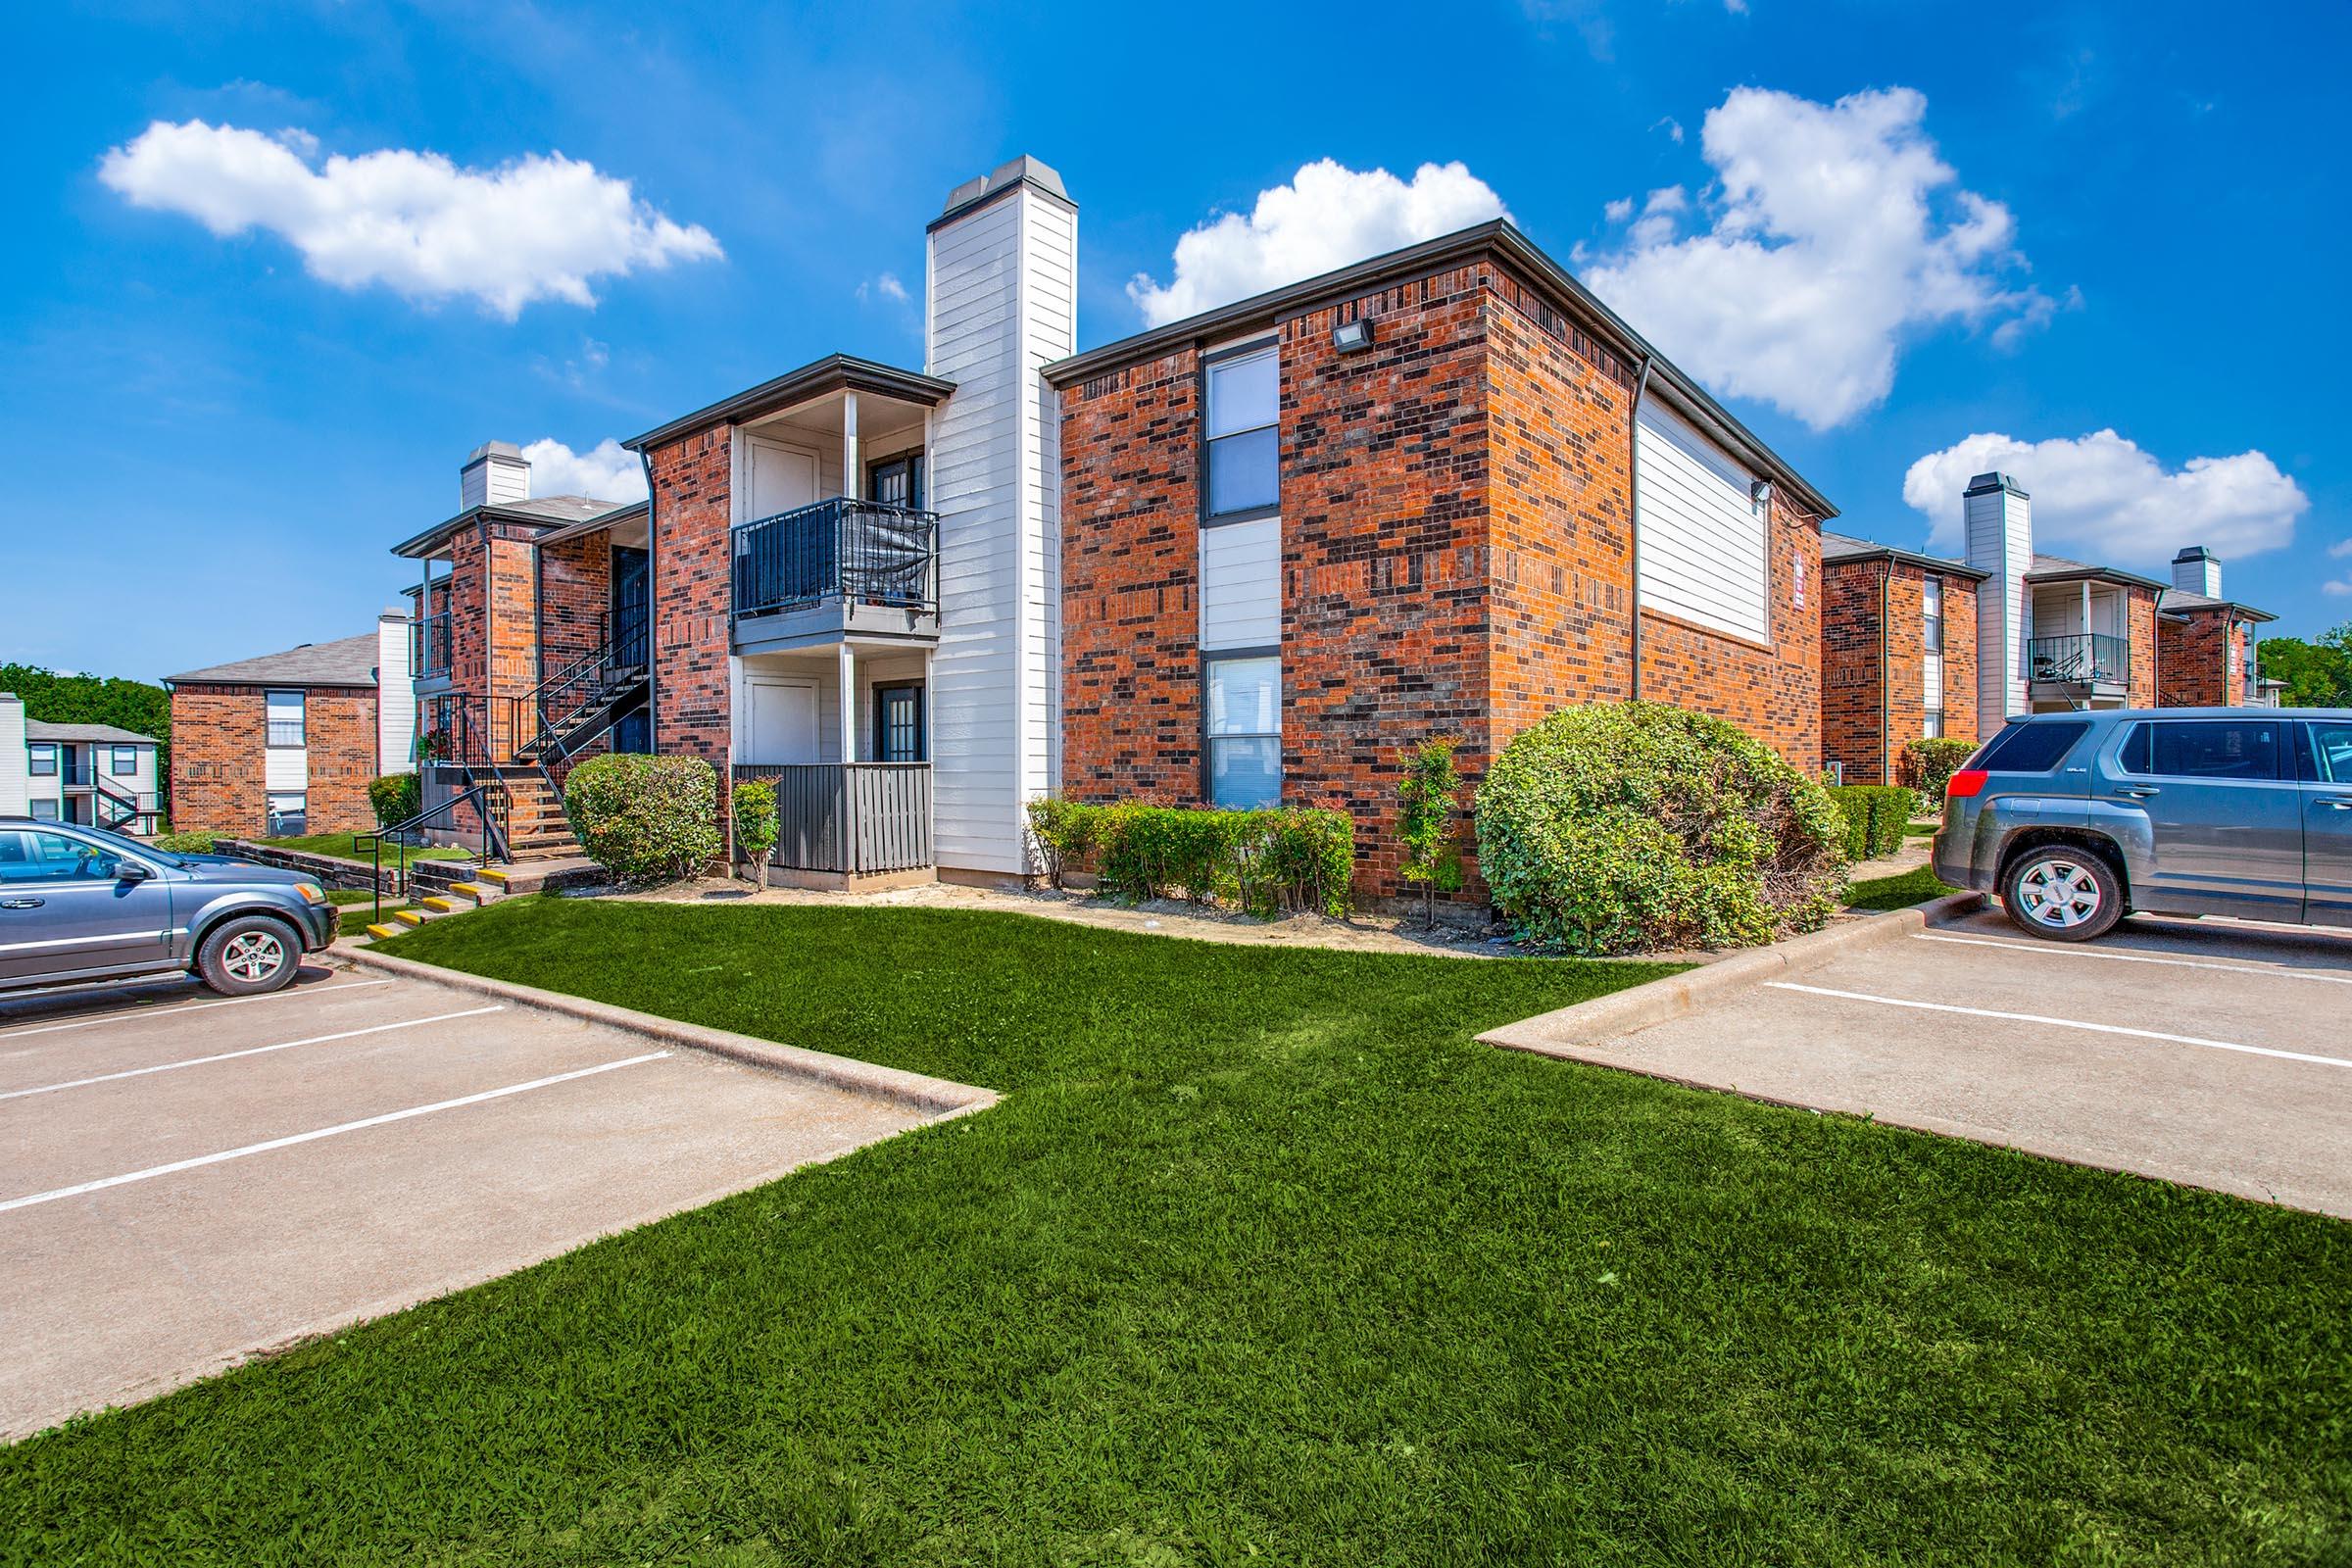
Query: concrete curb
(938, 1096)
(1622, 1013)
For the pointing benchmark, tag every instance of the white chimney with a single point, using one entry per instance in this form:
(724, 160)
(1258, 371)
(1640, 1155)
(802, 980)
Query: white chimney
(2001, 542)
(999, 295)
(2197, 570)
(496, 475)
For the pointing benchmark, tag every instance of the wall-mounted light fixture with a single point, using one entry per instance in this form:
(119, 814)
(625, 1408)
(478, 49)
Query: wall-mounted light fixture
(1760, 493)
(1353, 337)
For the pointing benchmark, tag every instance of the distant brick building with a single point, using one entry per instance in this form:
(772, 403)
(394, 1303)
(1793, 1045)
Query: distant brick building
(284, 744)
(1898, 654)
(1423, 496)
(2205, 643)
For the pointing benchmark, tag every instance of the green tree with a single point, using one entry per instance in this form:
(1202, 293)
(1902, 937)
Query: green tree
(2316, 674)
(131, 704)
(1426, 823)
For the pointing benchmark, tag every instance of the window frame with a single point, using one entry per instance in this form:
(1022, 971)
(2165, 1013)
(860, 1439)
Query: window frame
(883, 691)
(33, 751)
(1209, 660)
(1931, 724)
(114, 760)
(1930, 625)
(1270, 346)
(2142, 737)
(269, 814)
(302, 701)
(2309, 770)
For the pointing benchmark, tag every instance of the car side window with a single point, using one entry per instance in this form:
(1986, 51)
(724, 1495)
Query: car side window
(28, 856)
(2206, 750)
(2330, 754)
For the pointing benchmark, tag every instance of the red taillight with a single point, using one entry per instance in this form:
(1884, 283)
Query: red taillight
(1965, 784)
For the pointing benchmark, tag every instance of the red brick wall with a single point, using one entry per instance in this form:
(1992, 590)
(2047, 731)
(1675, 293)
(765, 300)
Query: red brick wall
(691, 587)
(2140, 621)
(1874, 664)
(218, 750)
(2196, 663)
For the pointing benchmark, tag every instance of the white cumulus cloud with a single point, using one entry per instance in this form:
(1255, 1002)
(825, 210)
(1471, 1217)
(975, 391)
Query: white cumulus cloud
(605, 471)
(2103, 498)
(883, 286)
(1327, 217)
(542, 227)
(1831, 233)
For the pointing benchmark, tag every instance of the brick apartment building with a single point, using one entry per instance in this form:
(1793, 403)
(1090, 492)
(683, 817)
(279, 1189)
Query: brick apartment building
(1243, 556)
(284, 744)
(1898, 654)
(1444, 492)
(2205, 643)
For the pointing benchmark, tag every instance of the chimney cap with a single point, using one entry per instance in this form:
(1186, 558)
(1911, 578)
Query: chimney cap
(1985, 483)
(1021, 171)
(2194, 553)
(494, 449)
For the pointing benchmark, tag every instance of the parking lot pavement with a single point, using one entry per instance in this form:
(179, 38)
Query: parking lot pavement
(2211, 1052)
(186, 1180)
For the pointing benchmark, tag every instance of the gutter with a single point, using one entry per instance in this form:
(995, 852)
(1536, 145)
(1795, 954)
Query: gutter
(1632, 510)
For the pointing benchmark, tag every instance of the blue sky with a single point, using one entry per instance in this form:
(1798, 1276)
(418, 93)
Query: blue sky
(1884, 229)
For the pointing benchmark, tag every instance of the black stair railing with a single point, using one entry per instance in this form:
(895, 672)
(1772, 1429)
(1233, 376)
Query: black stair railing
(493, 805)
(121, 809)
(582, 700)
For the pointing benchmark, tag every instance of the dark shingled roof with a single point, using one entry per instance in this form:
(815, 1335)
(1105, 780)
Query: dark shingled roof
(349, 661)
(84, 734)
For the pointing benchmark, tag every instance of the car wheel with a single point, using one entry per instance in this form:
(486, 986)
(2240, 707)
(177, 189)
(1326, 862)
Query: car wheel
(248, 956)
(2063, 894)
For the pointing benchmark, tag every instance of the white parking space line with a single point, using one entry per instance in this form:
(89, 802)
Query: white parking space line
(288, 1142)
(2060, 1023)
(250, 1051)
(2054, 949)
(191, 1007)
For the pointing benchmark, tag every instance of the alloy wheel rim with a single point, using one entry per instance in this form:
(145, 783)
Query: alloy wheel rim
(253, 955)
(2060, 894)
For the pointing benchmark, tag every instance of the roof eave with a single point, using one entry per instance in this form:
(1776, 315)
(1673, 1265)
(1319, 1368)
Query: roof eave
(842, 372)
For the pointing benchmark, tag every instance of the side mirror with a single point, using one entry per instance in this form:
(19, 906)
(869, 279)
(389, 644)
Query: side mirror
(131, 871)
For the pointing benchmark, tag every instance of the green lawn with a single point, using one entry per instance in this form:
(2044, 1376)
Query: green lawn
(347, 897)
(1897, 892)
(1263, 1261)
(344, 845)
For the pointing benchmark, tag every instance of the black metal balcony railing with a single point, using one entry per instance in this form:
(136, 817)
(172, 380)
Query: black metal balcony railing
(2083, 656)
(429, 649)
(857, 551)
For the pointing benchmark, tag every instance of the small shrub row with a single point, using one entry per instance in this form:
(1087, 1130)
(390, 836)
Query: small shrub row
(1876, 816)
(645, 818)
(1927, 764)
(395, 797)
(196, 841)
(1266, 861)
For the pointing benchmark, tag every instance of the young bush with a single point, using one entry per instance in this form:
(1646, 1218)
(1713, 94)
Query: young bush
(1426, 802)
(1928, 765)
(1875, 816)
(645, 818)
(1634, 826)
(1265, 862)
(754, 808)
(196, 841)
(395, 797)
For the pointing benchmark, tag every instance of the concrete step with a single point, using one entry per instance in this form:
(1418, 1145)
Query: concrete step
(411, 919)
(480, 892)
(438, 905)
(379, 932)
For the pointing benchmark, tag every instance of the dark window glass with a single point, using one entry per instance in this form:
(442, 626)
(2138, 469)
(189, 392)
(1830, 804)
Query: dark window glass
(1245, 457)
(125, 761)
(2183, 749)
(42, 758)
(1245, 732)
(899, 723)
(2032, 748)
(2329, 754)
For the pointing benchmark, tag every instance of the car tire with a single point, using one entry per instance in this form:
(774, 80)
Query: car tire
(2063, 892)
(248, 956)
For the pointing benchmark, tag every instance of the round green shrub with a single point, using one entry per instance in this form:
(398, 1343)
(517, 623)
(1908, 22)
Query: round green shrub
(195, 841)
(1632, 827)
(1927, 764)
(395, 797)
(645, 818)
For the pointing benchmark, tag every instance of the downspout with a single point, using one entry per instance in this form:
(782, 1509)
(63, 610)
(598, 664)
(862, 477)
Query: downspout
(652, 611)
(1633, 474)
(1887, 678)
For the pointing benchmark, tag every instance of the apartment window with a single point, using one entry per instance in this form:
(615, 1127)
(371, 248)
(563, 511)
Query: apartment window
(898, 722)
(1244, 738)
(289, 813)
(285, 719)
(44, 810)
(1934, 729)
(124, 762)
(1243, 446)
(41, 758)
(1932, 616)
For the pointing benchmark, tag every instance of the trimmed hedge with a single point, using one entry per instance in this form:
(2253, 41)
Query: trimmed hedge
(1267, 862)
(196, 841)
(1630, 827)
(395, 797)
(1928, 765)
(645, 818)
(1875, 816)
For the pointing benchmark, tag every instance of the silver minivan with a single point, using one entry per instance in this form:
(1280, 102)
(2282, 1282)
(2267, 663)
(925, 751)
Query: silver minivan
(2076, 819)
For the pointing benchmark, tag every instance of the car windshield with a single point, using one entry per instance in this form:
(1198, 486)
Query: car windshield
(130, 846)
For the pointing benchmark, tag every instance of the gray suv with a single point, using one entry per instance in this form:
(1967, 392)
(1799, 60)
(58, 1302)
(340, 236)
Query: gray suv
(2076, 819)
(82, 903)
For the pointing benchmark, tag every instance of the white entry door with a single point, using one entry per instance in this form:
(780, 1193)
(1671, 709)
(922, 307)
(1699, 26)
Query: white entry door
(783, 479)
(780, 720)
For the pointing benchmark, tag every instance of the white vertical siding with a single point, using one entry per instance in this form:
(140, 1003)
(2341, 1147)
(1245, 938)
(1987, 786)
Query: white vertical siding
(1702, 539)
(394, 698)
(15, 782)
(1932, 683)
(2000, 541)
(1001, 303)
(1241, 584)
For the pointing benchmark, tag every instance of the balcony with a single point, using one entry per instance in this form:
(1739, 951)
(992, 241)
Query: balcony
(841, 825)
(428, 651)
(2084, 661)
(839, 568)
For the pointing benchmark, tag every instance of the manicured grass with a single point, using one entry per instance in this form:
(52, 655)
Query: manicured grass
(347, 897)
(346, 846)
(1262, 1259)
(1897, 892)
(1922, 830)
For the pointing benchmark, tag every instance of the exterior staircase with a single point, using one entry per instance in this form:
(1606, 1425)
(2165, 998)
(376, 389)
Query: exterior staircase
(481, 885)
(536, 827)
